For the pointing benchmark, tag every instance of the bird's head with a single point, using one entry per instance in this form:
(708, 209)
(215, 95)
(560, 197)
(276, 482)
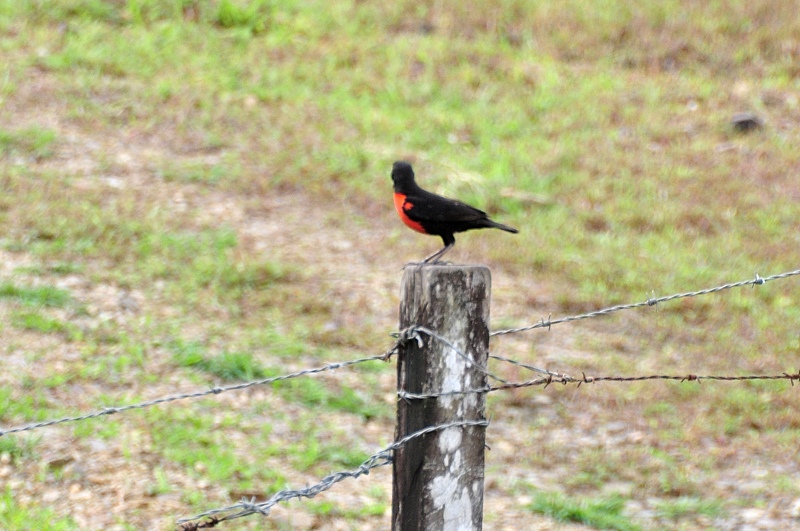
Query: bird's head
(402, 176)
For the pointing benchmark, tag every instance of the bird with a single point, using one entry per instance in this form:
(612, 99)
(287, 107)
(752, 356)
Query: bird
(433, 214)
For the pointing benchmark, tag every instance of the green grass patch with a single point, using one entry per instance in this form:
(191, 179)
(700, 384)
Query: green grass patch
(599, 513)
(65, 268)
(186, 438)
(37, 322)
(309, 452)
(160, 484)
(189, 441)
(201, 173)
(242, 366)
(315, 394)
(18, 448)
(48, 296)
(103, 427)
(207, 262)
(230, 366)
(29, 405)
(687, 506)
(14, 517)
(33, 142)
(331, 509)
(254, 15)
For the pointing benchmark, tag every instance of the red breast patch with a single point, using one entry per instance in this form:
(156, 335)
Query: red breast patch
(402, 206)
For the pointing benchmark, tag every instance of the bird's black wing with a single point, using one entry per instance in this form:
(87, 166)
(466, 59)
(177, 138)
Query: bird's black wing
(432, 208)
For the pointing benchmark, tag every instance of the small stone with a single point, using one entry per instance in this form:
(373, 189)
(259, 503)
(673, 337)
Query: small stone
(524, 500)
(51, 496)
(542, 399)
(753, 514)
(98, 445)
(615, 427)
(725, 147)
(794, 509)
(127, 302)
(635, 437)
(504, 447)
(81, 495)
(59, 462)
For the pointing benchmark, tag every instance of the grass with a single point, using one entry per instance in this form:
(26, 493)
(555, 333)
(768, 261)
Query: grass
(161, 483)
(243, 366)
(15, 518)
(597, 513)
(33, 142)
(40, 323)
(30, 405)
(225, 163)
(675, 509)
(18, 449)
(47, 296)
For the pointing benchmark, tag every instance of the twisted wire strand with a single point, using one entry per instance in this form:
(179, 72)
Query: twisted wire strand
(198, 394)
(248, 507)
(584, 379)
(649, 302)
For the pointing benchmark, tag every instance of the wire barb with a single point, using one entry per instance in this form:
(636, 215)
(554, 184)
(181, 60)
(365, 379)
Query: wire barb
(526, 366)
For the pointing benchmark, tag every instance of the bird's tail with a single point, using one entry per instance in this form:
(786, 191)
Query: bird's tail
(496, 225)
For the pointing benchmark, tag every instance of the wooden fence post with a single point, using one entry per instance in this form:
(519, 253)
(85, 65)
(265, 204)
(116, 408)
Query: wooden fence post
(438, 477)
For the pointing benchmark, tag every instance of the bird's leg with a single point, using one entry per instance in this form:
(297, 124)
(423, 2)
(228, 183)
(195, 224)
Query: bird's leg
(434, 258)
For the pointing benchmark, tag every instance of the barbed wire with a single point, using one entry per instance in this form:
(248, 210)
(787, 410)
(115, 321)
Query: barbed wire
(199, 394)
(566, 379)
(248, 507)
(382, 458)
(649, 302)
(526, 366)
(409, 334)
(412, 333)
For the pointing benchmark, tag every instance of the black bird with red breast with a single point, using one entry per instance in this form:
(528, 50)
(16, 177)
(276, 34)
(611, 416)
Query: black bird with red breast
(433, 214)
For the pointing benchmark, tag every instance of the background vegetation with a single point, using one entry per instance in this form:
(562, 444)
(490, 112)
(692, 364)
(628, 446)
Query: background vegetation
(197, 191)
